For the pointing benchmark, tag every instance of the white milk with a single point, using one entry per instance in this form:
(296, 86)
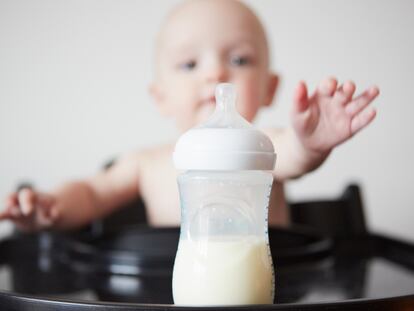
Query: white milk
(223, 271)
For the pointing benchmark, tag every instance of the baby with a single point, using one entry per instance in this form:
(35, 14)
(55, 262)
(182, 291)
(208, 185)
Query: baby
(203, 43)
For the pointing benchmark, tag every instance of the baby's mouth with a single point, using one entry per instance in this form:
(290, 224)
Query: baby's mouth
(206, 109)
(209, 101)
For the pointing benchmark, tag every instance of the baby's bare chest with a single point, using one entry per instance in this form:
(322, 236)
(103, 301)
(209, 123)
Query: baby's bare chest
(159, 190)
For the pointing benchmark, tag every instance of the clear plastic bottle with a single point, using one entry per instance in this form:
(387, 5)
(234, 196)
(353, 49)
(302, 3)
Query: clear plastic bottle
(223, 257)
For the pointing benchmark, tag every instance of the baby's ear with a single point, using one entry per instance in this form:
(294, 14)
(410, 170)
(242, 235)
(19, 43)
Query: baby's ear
(157, 95)
(273, 83)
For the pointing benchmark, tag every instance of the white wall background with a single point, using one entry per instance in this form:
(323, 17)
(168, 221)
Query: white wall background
(74, 77)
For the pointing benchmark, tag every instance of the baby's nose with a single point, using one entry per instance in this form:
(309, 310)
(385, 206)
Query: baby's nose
(216, 73)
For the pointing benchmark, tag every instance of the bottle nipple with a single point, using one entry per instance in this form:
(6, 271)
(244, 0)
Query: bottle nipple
(226, 98)
(226, 114)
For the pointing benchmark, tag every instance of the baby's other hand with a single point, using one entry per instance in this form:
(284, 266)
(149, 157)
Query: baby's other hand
(331, 115)
(30, 210)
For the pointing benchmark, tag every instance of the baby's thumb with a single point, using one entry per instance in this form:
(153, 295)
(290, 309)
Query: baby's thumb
(300, 98)
(26, 198)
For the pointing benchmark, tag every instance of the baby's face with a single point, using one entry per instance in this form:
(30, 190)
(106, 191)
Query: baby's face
(205, 43)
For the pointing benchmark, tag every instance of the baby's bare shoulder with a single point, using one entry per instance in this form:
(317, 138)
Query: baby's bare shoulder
(148, 157)
(130, 167)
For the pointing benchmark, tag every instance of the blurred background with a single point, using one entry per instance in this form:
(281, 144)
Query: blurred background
(74, 81)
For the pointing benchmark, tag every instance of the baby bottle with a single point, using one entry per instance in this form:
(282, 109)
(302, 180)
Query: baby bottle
(223, 256)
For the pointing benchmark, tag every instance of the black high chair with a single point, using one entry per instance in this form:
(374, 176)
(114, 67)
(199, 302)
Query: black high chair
(326, 260)
(339, 217)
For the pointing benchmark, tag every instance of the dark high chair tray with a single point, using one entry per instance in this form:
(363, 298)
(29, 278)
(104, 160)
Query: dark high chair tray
(148, 251)
(131, 270)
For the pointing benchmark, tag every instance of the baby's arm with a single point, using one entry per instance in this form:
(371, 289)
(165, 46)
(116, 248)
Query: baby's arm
(75, 203)
(320, 122)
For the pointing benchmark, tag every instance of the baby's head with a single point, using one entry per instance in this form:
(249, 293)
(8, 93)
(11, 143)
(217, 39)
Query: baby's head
(205, 42)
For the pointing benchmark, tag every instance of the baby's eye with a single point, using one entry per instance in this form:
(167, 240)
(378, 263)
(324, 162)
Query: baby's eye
(240, 60)
(189, 65)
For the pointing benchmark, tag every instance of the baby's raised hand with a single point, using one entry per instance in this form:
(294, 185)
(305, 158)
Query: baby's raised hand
(30, 210)
(331, 115)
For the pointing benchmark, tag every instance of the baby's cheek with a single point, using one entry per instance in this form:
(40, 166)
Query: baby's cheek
(248, 109)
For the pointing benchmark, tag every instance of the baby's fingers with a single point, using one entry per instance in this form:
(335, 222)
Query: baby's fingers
(344, 93)
(5, 214)
(11, 200)
(11, 209)
(27, 201)
(300, 98)
(327, 87)
(361, 102)
(11, 213)
(362, 119)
